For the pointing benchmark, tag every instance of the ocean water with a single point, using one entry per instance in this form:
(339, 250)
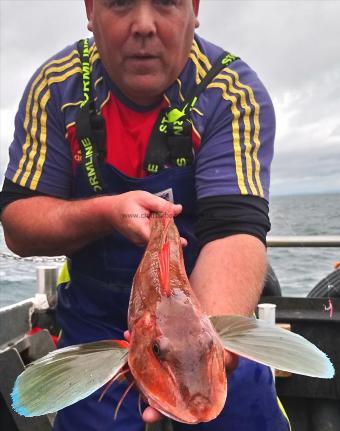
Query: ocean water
(298, 269)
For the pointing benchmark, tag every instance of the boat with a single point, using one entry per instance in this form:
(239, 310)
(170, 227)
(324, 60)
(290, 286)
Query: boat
(28, 328)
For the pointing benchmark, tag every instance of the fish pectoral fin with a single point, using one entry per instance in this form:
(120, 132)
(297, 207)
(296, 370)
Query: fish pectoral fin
(270, 345)
(65, 376)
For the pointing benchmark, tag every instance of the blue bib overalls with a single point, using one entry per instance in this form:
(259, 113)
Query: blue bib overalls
(93, 306)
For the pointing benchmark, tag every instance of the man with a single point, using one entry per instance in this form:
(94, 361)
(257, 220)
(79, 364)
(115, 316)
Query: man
(82, 179)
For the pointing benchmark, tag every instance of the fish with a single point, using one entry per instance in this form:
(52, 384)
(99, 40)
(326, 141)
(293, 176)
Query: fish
(175, 355)
(176, 352)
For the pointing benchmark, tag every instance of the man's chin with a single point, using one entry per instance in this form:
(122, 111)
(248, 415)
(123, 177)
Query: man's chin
(144, 90)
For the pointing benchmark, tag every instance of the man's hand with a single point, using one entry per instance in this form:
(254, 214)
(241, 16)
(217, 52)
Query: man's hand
(130, 214)
(151, 415)
(231, 362)
(47, 226)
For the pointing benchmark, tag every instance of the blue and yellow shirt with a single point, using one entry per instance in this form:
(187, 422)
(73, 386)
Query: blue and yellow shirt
(233, 125)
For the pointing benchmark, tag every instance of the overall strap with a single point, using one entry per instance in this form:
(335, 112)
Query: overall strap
(170, 141)
(224, 60)
(90, 127)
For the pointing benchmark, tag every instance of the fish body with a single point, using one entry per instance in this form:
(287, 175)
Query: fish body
(175, 354)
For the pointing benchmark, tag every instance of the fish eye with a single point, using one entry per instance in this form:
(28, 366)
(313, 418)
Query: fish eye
(161, 347)
(156, 349)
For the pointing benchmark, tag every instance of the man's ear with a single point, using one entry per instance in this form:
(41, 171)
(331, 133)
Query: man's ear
(89, 14)
(196, 5)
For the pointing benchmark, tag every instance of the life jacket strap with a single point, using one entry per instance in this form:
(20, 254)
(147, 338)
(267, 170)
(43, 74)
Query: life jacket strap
(90, 127)
(170, 141)
(223, 61)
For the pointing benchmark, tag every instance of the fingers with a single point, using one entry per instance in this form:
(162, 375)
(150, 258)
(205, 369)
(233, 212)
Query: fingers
(231, 361)
(151, 415)
(143, 235)
(184, 242)
(177, 209)
(127, 335)
(129, 213)
(160, 205)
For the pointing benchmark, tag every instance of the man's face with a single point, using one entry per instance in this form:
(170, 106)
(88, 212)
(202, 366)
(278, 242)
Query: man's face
(143, 44)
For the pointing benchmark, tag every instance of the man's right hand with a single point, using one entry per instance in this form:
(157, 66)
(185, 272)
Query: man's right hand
(48, 226)
(131, 212)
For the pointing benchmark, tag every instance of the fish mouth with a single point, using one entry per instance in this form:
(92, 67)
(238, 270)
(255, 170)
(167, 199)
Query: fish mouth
(187, 418)
(157, 406)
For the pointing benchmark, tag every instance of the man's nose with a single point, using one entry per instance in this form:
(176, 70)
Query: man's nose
(144, 20)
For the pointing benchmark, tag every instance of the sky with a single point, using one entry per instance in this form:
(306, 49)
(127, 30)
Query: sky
(293, 45)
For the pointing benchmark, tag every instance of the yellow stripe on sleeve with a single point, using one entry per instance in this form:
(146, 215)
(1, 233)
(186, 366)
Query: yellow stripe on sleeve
(43, 127)
(256, 136)
(43, 148)
(28, 108)
(204, 59)
(247, 129)
(236, 134)
(31, 135)
(235, 120)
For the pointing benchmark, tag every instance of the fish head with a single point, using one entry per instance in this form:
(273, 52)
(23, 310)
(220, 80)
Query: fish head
(177, 360)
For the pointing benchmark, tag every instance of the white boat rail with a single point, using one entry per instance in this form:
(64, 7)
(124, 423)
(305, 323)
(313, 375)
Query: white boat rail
(304, 241)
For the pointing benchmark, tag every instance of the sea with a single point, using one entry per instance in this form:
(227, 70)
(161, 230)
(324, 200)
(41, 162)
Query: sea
(297, 269)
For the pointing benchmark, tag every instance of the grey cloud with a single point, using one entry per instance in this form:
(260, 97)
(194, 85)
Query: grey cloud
(287, 42)
(303, 171)
(31, 32)
(336, 132)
